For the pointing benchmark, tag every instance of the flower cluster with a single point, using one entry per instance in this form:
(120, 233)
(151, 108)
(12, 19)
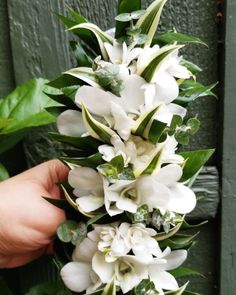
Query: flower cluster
(123, 114)
(103, 256)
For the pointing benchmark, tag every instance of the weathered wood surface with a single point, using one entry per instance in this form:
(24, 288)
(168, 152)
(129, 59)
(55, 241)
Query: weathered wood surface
(228, 213)
(207, 188)
(6, 67)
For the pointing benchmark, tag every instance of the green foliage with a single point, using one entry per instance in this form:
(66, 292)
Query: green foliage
(191, 90)
(156, 61)
(185, 272)
(145, 287)
(49, 288)
(3, 173)
(178, 241)
(71, 231)
(112, 169)
(172, 37)
(125, 6)
(194, 162)
(4, 288)
(22, 109)
(92, 161)
(180, 291)
(141, 215)
(148, 23)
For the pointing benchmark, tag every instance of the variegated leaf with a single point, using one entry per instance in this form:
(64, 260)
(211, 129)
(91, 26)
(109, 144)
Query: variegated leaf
(85, 74)
(98, 33)
(150, 20)
(156, 60)
(143, 123)
(177, 292)
(95, 128)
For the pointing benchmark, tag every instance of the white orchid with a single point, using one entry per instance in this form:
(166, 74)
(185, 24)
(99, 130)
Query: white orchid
(88, 187)
(71, 123)
(78, 275)
(140, 240)
(121, 53)
(157, 270)
(127, 271)
(159, 191)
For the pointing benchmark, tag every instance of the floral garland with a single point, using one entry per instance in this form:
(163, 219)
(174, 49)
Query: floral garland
(122, 119)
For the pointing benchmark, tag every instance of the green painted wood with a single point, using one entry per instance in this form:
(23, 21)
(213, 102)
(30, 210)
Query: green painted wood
(228, 234)
(6, 66)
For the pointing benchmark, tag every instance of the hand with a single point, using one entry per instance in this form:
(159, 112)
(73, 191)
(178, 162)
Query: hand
(28, 223)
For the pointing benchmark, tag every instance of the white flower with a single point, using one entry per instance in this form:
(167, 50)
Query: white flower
(110, 241)
(115, 110)
(120, 53)
(157, 270)
(78, 275)
(71, 123)
(128, 271)
(140, 240)
(159, 191)
(163, 191)
(88, 187)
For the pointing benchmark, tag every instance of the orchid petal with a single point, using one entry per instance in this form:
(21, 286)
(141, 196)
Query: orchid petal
(96, 100)
(175, 259)
(162, 279)
(85, 180)
(76, 276)
(182, 199)
(123, 123)
(169, 174)
(177, 110)
(71, 123)
(133, 93)
(90, 203)
(103, 269)
(85, 251)
(167, 88)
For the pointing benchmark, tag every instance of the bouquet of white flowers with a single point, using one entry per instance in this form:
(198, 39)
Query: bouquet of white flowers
(122, 117)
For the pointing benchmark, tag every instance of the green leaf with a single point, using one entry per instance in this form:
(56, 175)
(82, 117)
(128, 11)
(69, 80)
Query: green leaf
(86, 143)
(92, 161)
(4, 288)
(71, 231)
(77, 17)
(3, 173)
(178, 241)
(172, 37)
(85, 74)
(141, 124)
(150, 20)
(156, 130)
(145, 287)
(194, 162)
(96, 218)
(99, 35)
(184, 272)
(124, 17)
(141, 215)
(49, 288)
(25, 107)
(194, 125)
(194, 69)
(7, 141)
(59, 203)
(112, 169)
(191, 90)
(82, 58)
(125, 6)
(152, 164)
(186, 225)
(95, 128)
(177, 292)
(163, 235)
(58, 96)
(65, 81)
(156, 60)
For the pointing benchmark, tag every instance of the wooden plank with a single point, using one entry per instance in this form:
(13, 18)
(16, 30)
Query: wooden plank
(228, 233)
(206, 187)
(6, 67)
